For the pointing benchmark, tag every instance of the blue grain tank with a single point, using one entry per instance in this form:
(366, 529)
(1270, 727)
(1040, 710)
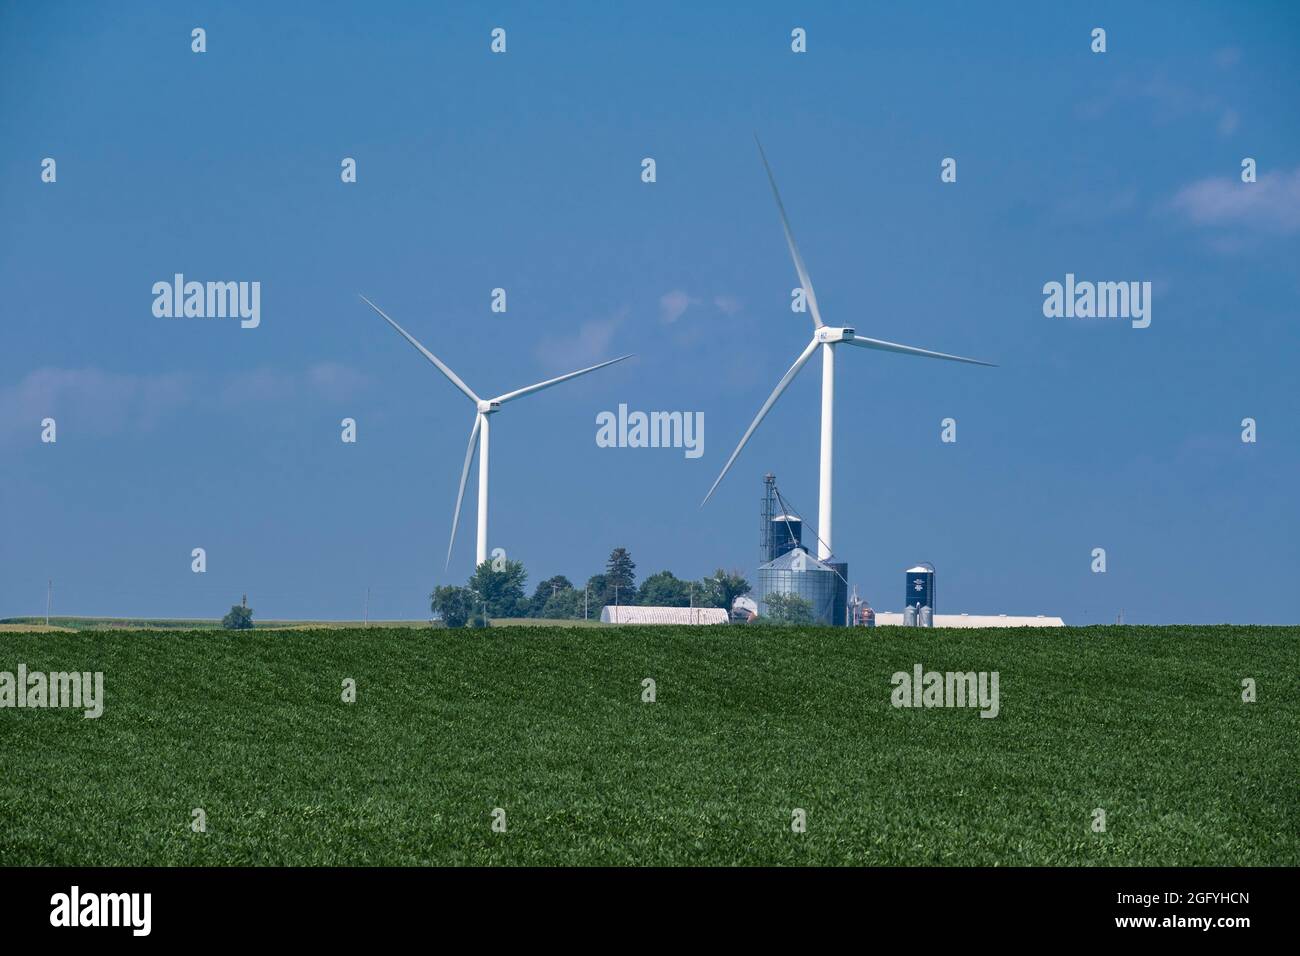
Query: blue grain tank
(920, 587)
(787, 534)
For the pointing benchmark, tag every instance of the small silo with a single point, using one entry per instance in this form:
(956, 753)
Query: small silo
(920, 586)
(787, 534)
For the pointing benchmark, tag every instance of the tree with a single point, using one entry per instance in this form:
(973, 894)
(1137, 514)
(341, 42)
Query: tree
(545, 591)
(565, 604)
(620, 578)
(721, 589)
(501, 591)
(788, 609)
(454, 605)
(597, 589)
(665, 590)
(240, 618)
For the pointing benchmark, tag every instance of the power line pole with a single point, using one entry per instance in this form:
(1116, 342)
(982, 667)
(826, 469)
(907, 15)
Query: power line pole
(49, 599)
(366, 613)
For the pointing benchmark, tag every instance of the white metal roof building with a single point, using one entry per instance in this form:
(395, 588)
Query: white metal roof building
(895, 619)
(634, 614)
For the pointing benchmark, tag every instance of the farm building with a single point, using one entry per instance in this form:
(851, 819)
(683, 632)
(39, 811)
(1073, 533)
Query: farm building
(632, 614)
(895, 619)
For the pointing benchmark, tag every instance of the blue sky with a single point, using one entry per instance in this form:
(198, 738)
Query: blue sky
(522, 171)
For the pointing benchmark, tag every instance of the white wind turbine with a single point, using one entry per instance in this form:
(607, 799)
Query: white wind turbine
(827, 337)
(484, 408)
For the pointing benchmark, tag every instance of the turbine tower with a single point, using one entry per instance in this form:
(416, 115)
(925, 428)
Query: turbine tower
(484, 408)
(827, 338)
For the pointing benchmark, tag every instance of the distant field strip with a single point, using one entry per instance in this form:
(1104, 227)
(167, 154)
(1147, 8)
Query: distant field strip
(748, 725)
(195, 624)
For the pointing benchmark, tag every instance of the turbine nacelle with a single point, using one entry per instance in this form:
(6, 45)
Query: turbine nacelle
(827, 336)
(486, 406)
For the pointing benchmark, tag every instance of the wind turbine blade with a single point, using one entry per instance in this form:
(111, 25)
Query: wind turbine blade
(455, 379)
(762, 412)
(464, 474)
(883, 346)
(529, 389)
(804, 279)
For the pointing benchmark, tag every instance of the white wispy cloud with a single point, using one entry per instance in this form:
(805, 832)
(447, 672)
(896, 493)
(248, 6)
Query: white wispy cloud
(673, 305)
(100, 402)
(1167, 99)
(259, 386)
(273, 385)
(727, 304)
(1271, 205)
(97, 402)
(332, 380)
(592, 343)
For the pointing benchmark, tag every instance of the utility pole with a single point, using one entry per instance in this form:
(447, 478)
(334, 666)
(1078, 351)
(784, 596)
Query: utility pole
(365, 614)
(49, 599)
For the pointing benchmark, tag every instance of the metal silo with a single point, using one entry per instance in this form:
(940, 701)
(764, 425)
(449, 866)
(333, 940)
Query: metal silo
(787, 534)
(920, 586)
(798, 572)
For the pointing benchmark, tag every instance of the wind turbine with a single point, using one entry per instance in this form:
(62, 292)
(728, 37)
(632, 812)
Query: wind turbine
(483, 409)
(826, 337)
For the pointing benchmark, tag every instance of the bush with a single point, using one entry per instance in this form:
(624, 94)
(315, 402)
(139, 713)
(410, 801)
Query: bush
(452, 604)
(565, 604)
(788, 609)
(240, 618)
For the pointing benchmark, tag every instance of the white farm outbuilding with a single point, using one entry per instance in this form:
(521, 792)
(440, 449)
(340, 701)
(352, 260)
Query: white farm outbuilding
(633, 614)
(895, 619)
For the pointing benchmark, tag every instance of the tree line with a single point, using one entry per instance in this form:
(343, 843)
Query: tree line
(498, 589)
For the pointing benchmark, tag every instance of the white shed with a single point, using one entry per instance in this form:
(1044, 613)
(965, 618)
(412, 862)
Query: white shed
(633, 614)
